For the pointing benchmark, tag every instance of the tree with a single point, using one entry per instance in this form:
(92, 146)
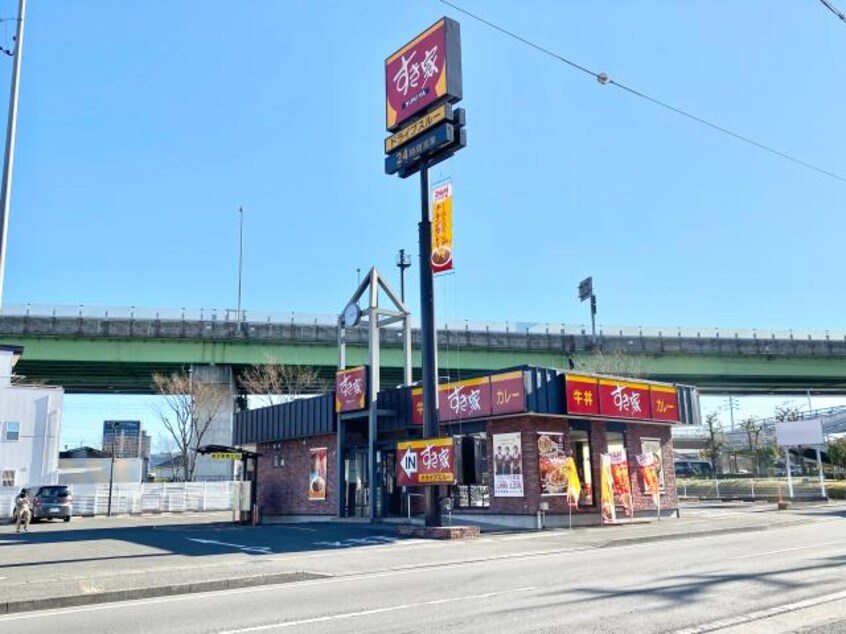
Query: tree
(787, 411)
(187, 414)
(278, 383)
(837, 452)
(716, 440)
(615, 363)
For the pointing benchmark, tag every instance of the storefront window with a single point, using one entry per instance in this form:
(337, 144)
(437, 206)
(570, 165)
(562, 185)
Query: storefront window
(473, 488)
(580, 446)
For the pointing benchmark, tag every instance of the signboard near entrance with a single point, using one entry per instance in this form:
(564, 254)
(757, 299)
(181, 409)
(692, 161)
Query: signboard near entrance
(425, 462)
(350, 389)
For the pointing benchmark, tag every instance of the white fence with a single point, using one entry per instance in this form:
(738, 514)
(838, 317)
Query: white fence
(172, 497)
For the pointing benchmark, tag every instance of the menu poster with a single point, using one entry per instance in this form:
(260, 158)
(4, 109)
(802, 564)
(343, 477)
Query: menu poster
(552, 467)
(508, 465)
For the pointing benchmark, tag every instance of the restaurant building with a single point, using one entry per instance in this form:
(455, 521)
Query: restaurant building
(527, 440)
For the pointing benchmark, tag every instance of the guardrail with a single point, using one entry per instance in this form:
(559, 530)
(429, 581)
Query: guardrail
(770, 489)
(82, 311)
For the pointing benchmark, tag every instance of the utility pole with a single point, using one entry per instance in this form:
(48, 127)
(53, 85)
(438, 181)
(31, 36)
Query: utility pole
(403, 262)
(11, 129)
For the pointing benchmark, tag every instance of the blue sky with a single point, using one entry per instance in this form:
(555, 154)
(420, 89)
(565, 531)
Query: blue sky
(144, 126)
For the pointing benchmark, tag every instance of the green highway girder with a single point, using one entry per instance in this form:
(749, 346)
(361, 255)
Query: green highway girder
(106, 364)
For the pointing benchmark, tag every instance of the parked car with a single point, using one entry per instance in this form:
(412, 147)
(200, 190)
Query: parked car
(52, 501)
(694, 469)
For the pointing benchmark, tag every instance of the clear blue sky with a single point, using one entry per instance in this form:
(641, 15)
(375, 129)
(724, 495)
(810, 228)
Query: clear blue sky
(144, 126)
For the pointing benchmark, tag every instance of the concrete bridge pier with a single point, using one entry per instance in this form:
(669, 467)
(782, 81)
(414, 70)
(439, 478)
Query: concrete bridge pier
(220, 378)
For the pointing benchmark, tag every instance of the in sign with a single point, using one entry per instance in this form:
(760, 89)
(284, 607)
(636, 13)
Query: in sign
(409, 462)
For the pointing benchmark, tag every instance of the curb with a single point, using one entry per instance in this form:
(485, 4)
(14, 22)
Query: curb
(110, 596)
(628, 541)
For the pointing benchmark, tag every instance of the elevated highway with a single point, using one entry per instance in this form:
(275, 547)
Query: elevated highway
(98, 350)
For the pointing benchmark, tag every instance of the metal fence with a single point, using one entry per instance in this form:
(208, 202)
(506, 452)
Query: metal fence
(170, 497)
(770, 489)
(82, 311)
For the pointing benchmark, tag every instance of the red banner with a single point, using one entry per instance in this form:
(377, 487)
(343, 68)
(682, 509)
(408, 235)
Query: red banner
(582, 394)
(621, 481)
(423, 72)
(508, 393)
(350, 389)
(464, 399)
(649, 473)
(665, 402)
(425, 462)
(417, 405)
(624, 399)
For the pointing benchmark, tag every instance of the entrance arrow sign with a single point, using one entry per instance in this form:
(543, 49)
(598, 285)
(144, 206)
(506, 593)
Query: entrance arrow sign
(409, 462)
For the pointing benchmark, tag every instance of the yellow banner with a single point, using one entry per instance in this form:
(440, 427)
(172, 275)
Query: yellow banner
(219, 455)
(442, 228)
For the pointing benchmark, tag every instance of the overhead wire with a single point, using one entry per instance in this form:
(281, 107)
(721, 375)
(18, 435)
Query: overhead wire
(604, 79)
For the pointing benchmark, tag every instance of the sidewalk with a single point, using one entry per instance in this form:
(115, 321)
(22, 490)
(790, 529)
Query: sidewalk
(95, 560)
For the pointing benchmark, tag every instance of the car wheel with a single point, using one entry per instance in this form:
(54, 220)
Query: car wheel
(66, 518)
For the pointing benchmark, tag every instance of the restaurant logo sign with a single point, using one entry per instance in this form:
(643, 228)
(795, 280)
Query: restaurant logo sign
(423, 73)
(426, 462)
(483, 397)
(350, 389)
(620, 398)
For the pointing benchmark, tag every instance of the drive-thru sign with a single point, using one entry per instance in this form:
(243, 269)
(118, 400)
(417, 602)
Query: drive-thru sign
(422, 462)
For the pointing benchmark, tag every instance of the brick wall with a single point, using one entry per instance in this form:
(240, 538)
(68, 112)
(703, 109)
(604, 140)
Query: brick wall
(284, 490)
(529, 426)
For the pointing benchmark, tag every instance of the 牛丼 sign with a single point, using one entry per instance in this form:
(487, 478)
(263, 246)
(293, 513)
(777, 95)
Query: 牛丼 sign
(620, 398)
(423, 73)
(424, 462)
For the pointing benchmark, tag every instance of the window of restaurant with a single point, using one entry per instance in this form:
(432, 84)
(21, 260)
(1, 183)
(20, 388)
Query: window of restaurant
(473, 488)
(580, 445)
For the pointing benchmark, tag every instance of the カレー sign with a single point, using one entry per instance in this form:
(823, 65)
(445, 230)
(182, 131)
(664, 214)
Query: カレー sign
(424, 462)
(464, 399)
(350, 389)
(442, 228)
(508, 393)
(424, 72)
(665, 402)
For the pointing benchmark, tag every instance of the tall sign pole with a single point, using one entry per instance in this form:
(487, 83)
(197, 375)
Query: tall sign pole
(422, 82)
(11, 129)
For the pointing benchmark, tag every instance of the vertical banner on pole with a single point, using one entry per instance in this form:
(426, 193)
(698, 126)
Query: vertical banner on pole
(606, 485)
(442, 228)
(622, 483)
(649, 472)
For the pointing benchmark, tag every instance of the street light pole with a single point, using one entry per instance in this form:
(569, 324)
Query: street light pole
(11, 129)
(403, 262)
(240, 257)
(112, 469)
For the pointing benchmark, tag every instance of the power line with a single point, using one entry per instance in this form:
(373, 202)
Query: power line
(834, 10)
(604, 79)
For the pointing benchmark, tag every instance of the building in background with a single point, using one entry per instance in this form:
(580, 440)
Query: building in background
(30, 426)
(127, 441)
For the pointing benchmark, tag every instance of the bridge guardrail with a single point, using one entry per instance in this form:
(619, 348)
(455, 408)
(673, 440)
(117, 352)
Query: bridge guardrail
(83, 311)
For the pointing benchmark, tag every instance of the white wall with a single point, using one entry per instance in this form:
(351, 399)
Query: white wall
(34, 457)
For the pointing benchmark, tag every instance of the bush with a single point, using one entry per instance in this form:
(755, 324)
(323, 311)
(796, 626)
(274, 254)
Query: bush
(836, 490)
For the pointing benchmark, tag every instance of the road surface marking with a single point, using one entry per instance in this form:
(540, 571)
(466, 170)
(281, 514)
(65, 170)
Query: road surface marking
(393, 608)
(763, 614)
(789, 550)
(262, 550)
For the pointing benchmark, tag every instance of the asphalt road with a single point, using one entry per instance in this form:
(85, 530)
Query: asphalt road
(789, 579)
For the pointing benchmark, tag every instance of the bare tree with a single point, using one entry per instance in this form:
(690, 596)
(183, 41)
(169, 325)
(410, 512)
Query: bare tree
(188, 411)
(616, 363)
(275, 382)
(787, 411)
(716, 440)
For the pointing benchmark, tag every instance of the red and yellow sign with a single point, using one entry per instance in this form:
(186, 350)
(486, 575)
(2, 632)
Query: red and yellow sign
(582, 394)
(665, 402)
(417, 405)
(442, 228)
(350, 389)
(508, 393)
(624, 399)
(423, 462)
(464, 399)
(424, 72)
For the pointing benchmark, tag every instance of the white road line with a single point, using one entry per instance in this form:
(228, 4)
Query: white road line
(790, 550)
(393, 608)
(713, 626)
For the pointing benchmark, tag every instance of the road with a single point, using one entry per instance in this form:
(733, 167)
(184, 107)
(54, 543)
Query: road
(786, 580)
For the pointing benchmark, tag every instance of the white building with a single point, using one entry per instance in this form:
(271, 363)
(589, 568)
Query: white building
(30, 424)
